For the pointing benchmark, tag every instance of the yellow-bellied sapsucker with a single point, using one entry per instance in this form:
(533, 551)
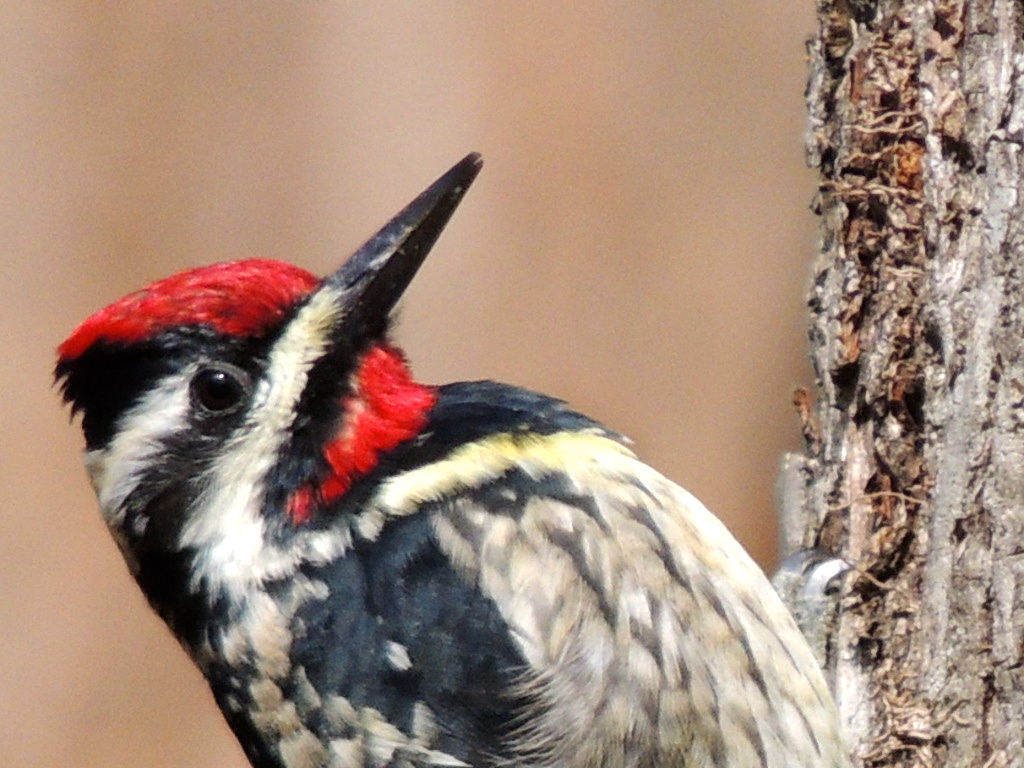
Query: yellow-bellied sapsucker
(374, 572)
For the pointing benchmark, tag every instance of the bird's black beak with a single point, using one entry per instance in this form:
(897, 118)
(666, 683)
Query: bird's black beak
(350, 309)
(372, 281)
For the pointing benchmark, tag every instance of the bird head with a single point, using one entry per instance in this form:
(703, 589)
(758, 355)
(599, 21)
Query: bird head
(229, 404)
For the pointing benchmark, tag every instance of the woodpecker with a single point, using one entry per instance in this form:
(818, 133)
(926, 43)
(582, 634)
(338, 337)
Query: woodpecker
(370, 571)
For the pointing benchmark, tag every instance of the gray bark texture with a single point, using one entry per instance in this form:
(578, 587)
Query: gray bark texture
(914, 463)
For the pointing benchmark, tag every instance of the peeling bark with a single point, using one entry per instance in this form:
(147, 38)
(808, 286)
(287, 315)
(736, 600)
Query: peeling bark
(914, 463)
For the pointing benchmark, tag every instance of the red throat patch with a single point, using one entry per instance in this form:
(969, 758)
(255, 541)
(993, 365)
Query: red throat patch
(235, 297)
(387, 408)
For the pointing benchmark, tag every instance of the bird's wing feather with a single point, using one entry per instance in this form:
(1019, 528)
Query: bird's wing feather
(648, 631)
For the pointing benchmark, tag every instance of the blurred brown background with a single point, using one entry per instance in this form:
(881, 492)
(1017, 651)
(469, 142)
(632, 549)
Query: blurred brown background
(637, 243)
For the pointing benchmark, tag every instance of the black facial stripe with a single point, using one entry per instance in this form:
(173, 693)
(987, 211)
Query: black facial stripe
(110, 378)
(107, 381)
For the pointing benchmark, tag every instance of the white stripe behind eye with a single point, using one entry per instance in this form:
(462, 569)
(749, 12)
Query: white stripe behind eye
(117, 469)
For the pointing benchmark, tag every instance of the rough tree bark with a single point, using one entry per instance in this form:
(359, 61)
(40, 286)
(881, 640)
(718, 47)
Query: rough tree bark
(914, 462)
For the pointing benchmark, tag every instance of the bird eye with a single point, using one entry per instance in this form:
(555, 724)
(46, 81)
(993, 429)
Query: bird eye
(219, 390)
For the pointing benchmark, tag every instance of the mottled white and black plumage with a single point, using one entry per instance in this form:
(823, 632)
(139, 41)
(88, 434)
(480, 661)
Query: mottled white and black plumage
(374, 572)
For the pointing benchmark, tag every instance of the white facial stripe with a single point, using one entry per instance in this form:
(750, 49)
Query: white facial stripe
(116, 469)
(226, 526)
(306, 339)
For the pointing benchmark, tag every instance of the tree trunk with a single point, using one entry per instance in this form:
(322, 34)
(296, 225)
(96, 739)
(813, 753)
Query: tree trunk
(914, 463)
